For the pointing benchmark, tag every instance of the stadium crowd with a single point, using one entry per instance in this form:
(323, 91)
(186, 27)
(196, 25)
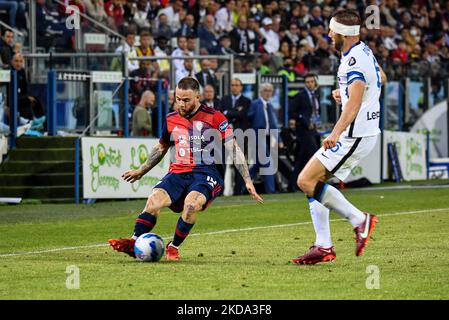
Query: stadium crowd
(412, 38)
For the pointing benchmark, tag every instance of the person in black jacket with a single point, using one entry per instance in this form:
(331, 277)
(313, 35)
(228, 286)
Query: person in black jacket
(6, 50)
(235, 107)
(205, 76)
(305, 109)
(29, 106)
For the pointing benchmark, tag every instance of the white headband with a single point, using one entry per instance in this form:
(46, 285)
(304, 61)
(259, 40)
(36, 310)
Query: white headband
(344, 30)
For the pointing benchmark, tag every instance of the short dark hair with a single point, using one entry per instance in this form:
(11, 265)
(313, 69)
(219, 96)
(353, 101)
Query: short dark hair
(189, 83)
(348, 17)
(311, 75)
(6, 30)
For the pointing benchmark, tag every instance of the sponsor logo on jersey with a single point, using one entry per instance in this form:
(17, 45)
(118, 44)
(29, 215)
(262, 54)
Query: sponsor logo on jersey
(351, 61)
(223, 126)
(372, 115)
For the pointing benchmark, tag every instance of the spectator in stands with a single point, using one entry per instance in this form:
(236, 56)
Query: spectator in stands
(129, 10)
(261, 116)
(186, 71)
(115, 10)
(209, 97)
(223, 18)
(141, 125)
(12, 7)
(95, 9)
(207, 35)
(128, 48)
(141, 15)
(242, 39)
(162, 28)
(142, 79)
(153, 10)
(50, 30)
(29, 106)
(199, 11)
(400, 53)
(193, 50)
(290, 73)
(180, 51)
(161, 51)
(224, 46)
(316, 17)
(271, 39)
(144, 49)
(292, 34)
(205, 76)
(187, 28)
(6, 47)
(172, 12)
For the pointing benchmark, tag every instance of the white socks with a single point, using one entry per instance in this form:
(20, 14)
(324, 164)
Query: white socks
(320, 219)
(334, 200)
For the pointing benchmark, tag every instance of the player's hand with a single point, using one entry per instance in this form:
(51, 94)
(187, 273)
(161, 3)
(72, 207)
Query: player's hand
(252, 191)
(132, 175)
(330, 141)
(336, 95)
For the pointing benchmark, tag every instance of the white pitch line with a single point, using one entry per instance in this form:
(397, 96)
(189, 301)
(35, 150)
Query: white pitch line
(221, 232)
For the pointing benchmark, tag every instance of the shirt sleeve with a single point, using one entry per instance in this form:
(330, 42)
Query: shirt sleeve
(354, 71)
(165, 137)
(222, 125)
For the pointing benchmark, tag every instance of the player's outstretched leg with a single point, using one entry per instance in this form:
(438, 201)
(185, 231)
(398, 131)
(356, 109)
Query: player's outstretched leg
(333, 199)
(322, 250)
(193, 203)
(144, 223)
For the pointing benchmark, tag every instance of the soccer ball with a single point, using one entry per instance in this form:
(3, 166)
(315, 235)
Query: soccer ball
(149, 247)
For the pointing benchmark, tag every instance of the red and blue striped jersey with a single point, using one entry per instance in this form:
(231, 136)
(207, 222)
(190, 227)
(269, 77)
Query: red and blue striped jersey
(196, 139)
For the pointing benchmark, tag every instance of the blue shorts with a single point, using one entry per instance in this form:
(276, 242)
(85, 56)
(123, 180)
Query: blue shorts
(179, 185)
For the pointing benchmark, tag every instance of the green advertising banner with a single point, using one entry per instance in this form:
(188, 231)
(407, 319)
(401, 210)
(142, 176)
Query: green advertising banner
(411, 148)
(104, 161)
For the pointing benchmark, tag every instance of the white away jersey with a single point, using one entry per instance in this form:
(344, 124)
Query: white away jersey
(359, 63)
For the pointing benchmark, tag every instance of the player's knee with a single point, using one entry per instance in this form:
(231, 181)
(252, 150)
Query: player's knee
(304, 184)
(190, 209)
(153, 206)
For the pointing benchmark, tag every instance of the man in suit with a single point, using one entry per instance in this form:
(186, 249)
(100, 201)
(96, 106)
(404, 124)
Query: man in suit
(242, 41)
(235, 107)
(209, 98)
(261, 116)
(205, 76)
(305, 109)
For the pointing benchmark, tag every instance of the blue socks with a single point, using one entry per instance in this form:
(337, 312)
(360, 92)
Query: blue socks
(182, 231)
(144, 223)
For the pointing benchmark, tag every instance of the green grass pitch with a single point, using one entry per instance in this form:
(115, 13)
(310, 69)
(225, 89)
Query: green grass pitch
(237, 250)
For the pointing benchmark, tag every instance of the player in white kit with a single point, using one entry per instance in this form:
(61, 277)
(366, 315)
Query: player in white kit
(352, 138)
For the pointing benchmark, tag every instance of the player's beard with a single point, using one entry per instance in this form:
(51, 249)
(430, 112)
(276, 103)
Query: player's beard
(338, 42)
(183, 112)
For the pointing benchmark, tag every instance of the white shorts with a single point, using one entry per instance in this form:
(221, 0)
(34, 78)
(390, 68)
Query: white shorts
(348, 152)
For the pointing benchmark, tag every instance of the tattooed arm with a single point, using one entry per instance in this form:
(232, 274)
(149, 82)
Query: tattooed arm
(240, 163)
(154, 158)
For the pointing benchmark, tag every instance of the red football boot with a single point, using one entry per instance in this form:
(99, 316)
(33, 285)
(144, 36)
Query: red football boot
(316, 254)
(125, 245)
(363, 233)
(172, 253)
